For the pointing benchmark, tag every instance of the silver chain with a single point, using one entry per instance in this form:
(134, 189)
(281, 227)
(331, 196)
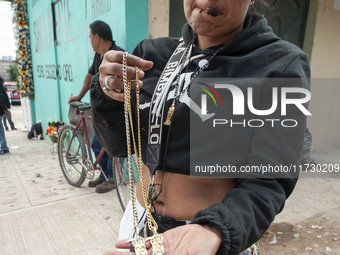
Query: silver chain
(198, 72)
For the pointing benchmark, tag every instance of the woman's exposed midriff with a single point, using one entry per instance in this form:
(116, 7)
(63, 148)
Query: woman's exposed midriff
(183, 196)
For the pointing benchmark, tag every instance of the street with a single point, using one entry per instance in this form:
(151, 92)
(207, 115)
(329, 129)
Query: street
(46, 215)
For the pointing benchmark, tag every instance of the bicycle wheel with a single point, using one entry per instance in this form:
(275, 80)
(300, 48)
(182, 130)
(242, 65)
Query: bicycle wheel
(71, 162)
(121, 177)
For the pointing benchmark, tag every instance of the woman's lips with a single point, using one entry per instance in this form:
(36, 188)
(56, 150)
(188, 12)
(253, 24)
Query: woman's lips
(209, 11)
(212, 11)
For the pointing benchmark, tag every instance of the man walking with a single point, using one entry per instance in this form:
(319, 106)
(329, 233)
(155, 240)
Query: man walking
(4, 105)
(101, 41)
(9, 117)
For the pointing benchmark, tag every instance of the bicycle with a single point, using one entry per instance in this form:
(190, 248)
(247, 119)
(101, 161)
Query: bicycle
(76, 160)
(121, 178)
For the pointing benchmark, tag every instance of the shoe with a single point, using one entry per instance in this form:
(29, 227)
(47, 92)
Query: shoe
(6, 129)
(5, 152)
(105, 187)
(14, 129)
(95, 182)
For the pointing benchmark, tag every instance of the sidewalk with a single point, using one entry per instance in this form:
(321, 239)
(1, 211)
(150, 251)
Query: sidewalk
(45, 215)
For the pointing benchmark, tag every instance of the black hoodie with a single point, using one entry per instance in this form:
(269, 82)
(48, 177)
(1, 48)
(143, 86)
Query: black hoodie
(4, 101)
(247, 210)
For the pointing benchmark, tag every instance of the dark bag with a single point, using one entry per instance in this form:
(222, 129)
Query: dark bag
(36, 130)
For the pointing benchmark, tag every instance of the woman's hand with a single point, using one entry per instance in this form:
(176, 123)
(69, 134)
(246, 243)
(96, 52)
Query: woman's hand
(112, 65)
(190, 239)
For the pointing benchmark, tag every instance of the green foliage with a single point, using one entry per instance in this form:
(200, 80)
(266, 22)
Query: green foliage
(13, 73)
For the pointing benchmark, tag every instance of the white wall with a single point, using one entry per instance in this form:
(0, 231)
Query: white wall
(158, 11)
(325, 104)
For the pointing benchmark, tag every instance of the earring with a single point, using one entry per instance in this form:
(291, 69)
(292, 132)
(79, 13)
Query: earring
(252, 2)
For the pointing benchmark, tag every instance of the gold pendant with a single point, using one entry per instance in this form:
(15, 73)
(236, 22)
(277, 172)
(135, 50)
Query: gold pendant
(139, 244)
(170, 113)
(157, 244)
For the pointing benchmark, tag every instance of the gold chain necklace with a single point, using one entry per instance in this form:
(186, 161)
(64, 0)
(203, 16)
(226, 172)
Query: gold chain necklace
(138, 242)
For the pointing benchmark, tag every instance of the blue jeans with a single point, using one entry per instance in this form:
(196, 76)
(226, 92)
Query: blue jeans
(105, 162)
(3, 143)
(9, 119)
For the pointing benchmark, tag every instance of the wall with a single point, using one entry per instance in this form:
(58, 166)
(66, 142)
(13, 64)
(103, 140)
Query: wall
(325, 122)
(326, 51)
(158, 11)
(136, 18)
(4, 65)
(60, 65)
(177, 18)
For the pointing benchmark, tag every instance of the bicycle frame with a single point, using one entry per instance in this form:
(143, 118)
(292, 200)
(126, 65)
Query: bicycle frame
(84, 129)
(74, 160)
(119, 172)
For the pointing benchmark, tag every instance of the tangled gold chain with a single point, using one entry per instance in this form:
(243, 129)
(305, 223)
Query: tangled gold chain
(127, 108)
(156, 240)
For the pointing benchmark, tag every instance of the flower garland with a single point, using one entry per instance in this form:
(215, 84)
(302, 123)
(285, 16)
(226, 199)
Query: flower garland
(22, 35)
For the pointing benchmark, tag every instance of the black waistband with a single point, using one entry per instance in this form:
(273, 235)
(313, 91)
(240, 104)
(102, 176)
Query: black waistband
(164, 223)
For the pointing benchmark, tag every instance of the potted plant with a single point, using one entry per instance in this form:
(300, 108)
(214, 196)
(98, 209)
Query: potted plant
(53, 130)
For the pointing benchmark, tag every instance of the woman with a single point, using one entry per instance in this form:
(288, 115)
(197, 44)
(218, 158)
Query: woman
(226, 215)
